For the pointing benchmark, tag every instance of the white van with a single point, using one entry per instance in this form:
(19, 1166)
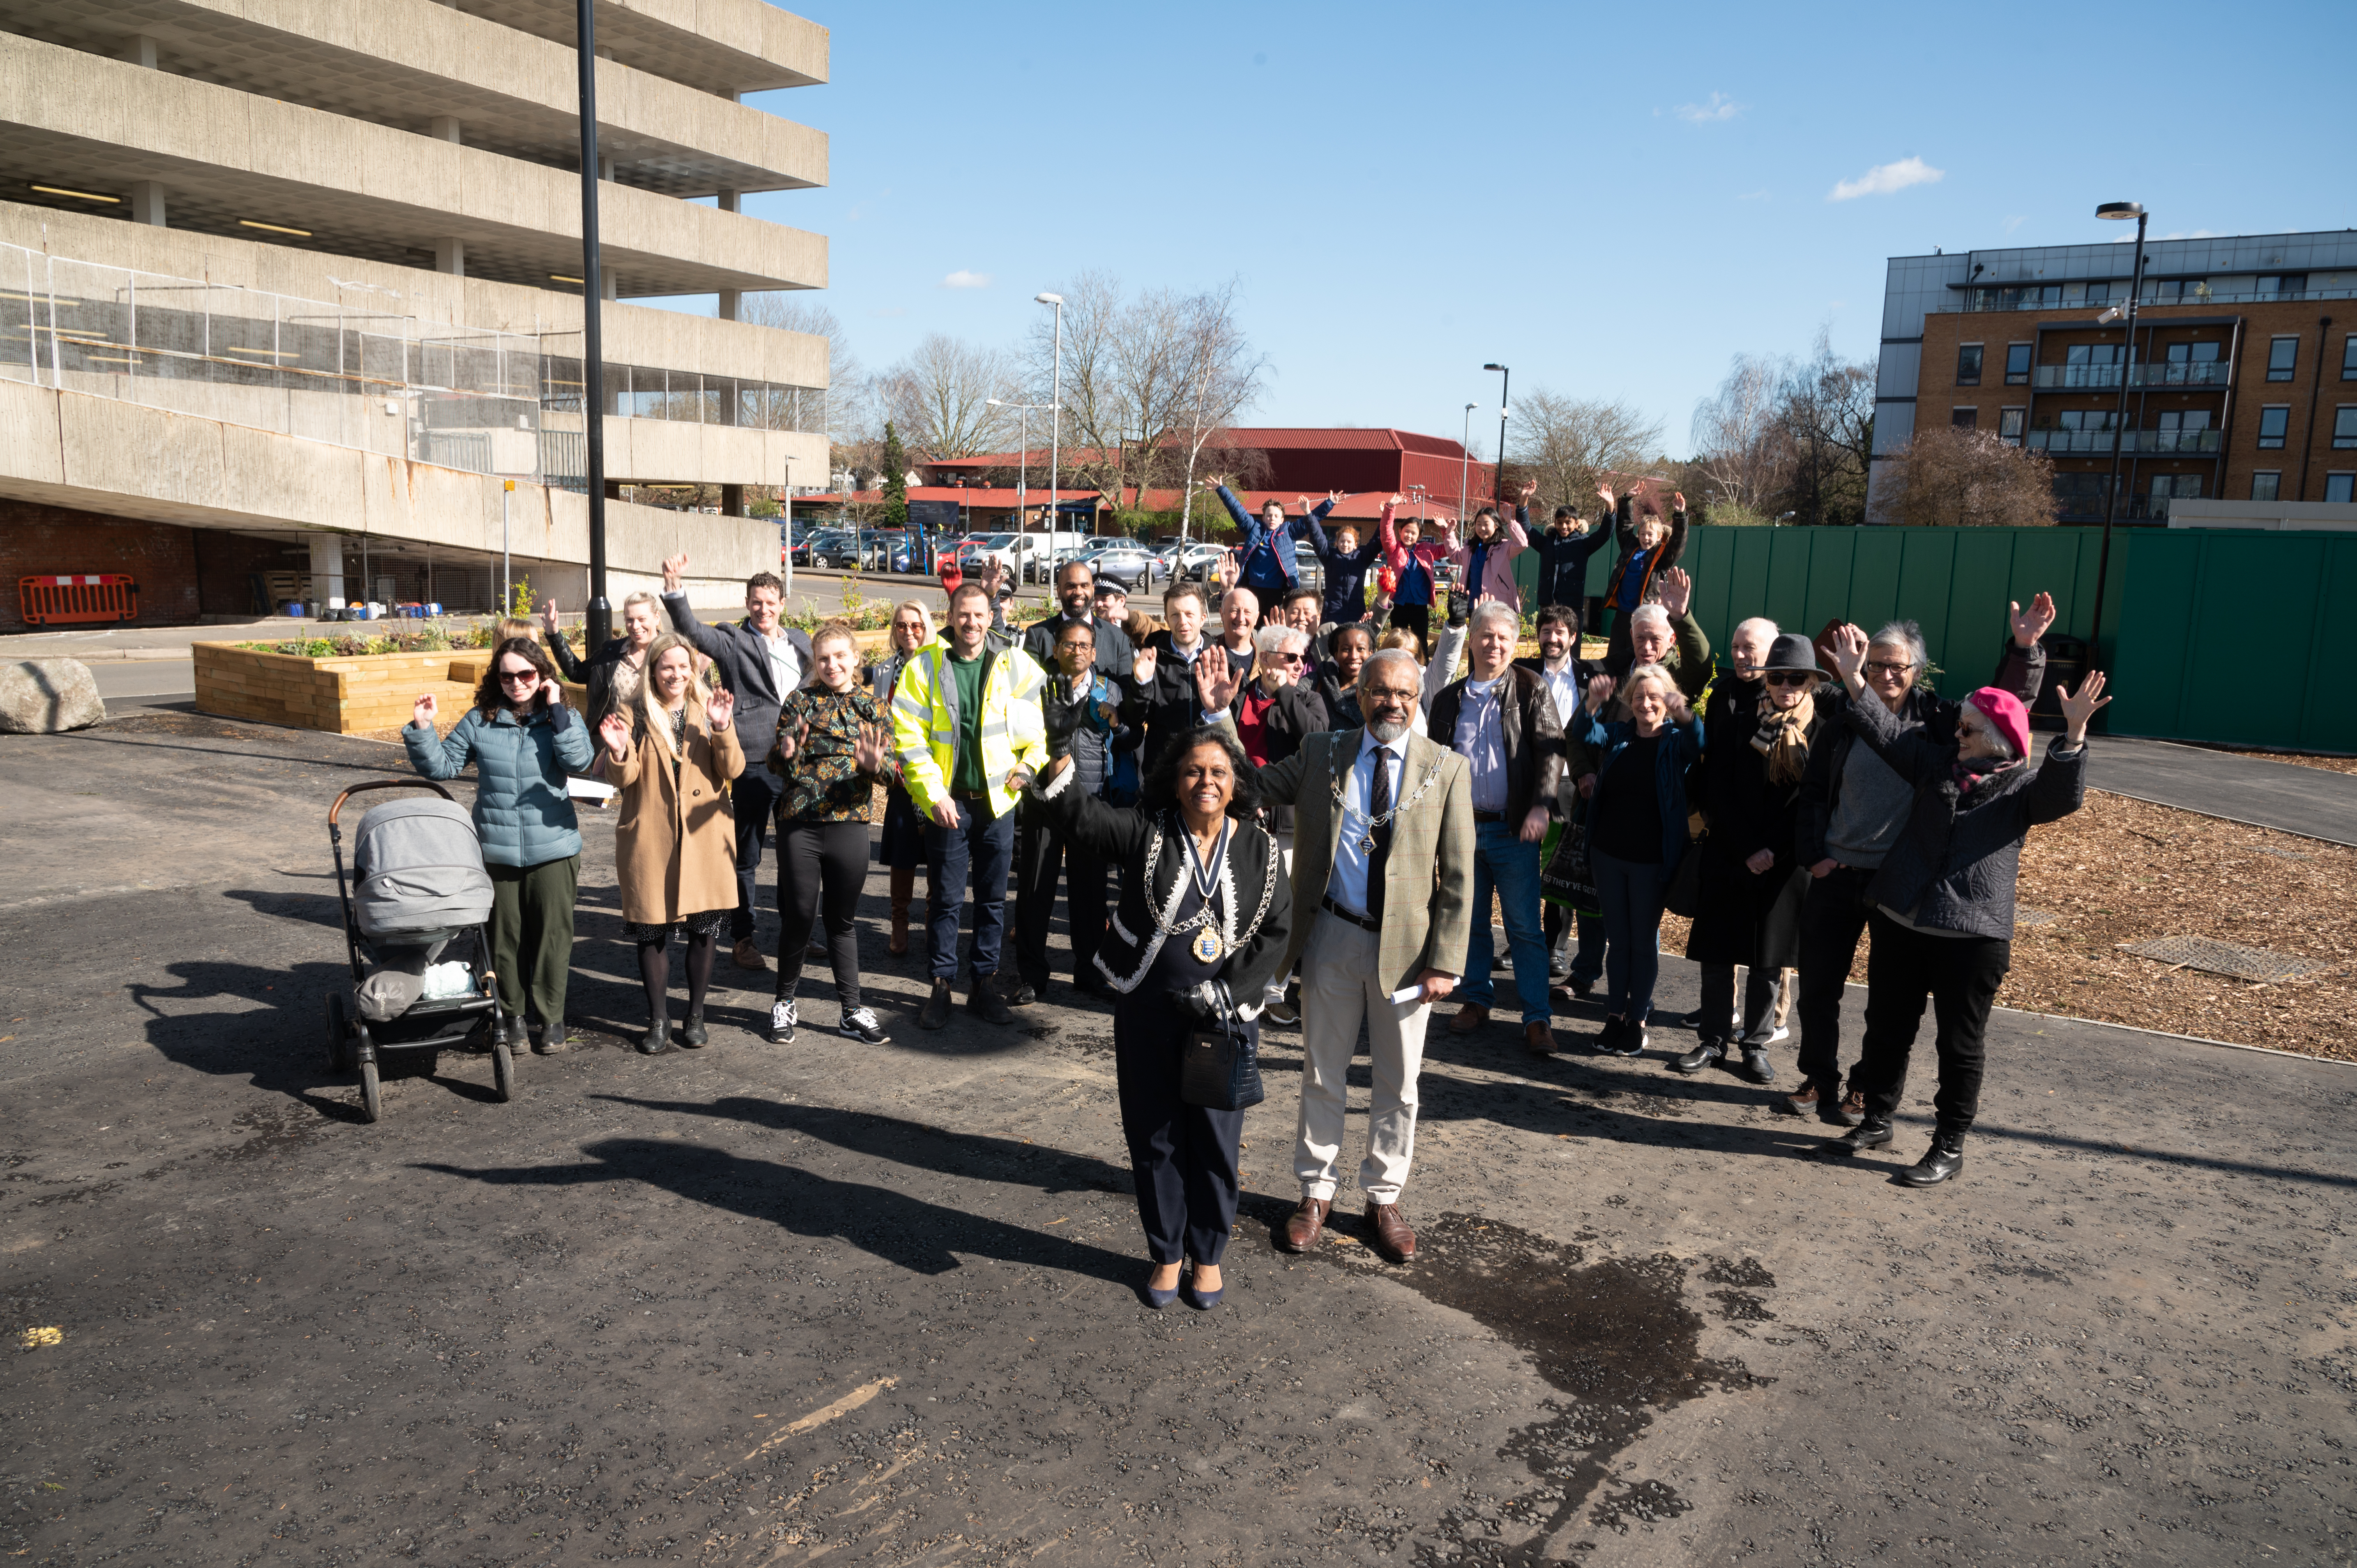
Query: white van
(1031, 557)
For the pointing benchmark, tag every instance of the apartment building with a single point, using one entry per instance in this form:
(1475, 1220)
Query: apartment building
(290, 290)
(2242, 382)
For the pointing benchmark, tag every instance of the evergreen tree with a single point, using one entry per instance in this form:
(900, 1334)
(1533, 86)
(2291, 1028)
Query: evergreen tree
(895, 461)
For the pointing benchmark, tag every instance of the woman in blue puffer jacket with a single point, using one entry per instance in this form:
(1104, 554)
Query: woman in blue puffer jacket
(522, 740)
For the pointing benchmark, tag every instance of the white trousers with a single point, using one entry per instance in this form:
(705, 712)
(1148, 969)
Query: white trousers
(1340, 987)
(1274, 991)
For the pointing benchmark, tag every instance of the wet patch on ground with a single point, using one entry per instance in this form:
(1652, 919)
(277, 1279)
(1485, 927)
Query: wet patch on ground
(1613, 1335)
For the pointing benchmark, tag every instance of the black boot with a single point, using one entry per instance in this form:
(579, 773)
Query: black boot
(692, 1033)
(983, 1000)
(1870, 1134)
(656, 1040)
(1939, 1163)
(935, 1013)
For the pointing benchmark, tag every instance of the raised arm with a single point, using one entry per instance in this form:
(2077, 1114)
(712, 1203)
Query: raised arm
(1446, 644)
(1244, 520)
(1111, 832)
(1912, 753)
(558, 648)
(447, 756)
(683, 616)
(1387, 535)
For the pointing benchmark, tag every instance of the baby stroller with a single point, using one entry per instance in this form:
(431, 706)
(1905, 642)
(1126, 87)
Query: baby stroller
(421, 954)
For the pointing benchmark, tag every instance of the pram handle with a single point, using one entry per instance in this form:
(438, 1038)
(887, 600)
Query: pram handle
(384, 784)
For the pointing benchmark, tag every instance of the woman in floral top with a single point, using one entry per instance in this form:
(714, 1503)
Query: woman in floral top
(831, 745)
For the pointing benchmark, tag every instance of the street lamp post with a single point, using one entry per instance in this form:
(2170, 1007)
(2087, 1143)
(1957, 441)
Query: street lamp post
(1055, 409)
(2116, 211)
(1023, 458)
(1498, 472)
(1464, 457)
(593, 295)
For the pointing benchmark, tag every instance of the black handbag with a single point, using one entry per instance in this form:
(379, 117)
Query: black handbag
(1218, 1065)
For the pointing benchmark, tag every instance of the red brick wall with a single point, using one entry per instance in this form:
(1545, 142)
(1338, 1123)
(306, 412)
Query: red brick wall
(182, 573)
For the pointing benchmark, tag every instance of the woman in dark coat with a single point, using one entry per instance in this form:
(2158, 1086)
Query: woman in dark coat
(1757, 733)
(1943, 921)
(903, 849)
(1204, 902)
(612, 673)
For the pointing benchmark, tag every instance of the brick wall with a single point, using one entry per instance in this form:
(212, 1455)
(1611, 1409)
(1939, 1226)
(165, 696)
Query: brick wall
(182, 573)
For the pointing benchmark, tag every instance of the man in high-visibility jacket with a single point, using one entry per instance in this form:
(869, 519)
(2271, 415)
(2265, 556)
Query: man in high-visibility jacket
(967, 724)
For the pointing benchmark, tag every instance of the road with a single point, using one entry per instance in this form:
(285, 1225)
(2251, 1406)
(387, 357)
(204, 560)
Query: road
(760, 1304)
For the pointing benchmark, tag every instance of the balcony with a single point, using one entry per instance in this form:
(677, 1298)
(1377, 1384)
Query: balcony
(2214, 373)
(2028, 297)
(2189, 442)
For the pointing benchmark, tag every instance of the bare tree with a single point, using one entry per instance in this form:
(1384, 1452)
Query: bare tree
(940, 397)
(1221, 375)
(1736, 434)
(1568, 444)
(844, 411)
(1950, 477)
(1826, 417)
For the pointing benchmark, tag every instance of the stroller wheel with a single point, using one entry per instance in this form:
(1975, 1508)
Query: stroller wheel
(339, 1048)
(503, 1068)
(372, 1093)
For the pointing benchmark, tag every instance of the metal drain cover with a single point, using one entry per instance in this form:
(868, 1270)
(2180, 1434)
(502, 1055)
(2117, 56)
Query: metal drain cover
(2225, 958)
(2023, 915)
(2278, 854)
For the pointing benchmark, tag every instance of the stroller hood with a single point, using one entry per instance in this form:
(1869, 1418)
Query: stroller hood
(419, 867)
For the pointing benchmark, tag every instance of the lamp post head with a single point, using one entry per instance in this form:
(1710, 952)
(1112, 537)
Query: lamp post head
(1049, 298)
(2120, 211)
(1493, 367)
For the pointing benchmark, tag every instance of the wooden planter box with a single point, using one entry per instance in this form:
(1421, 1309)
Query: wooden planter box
(342, 695)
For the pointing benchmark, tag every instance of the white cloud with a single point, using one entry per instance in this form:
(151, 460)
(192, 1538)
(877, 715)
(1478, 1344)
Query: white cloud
(2015, 222)
(1758, 195)
(964, 279)
(1884, 179)
(1721, 107)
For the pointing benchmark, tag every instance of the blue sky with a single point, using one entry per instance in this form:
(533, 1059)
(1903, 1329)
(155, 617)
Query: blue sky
(1612, 201)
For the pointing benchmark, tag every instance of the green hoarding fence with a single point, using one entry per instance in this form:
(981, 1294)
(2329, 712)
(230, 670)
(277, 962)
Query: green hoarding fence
(2208, 634)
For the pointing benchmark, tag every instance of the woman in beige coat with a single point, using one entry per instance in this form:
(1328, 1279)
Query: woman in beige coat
(671, 753)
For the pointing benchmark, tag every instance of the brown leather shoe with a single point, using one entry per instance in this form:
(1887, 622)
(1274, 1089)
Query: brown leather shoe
(1802, 1101)
(747, 954)
(1388, 1232)
(1538, 1035)
(1303, 1226)
(1469, 1017)
(1853, 1106)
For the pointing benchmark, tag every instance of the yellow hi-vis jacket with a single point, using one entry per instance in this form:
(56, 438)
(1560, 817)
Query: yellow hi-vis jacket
(925, 720)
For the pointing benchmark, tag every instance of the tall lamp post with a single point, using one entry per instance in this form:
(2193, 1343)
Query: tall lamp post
(593, 346)
(1023, 458)
(1498, 472)
(2120, 212)
(1055, 409)
(1464, 456)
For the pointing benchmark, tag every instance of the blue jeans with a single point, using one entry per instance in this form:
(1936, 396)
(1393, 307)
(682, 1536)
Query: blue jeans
(986, 844)
(1632, 892)
(1501, 861)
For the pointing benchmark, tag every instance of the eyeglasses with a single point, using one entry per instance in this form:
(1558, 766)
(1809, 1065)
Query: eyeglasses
(1788, 677)
(518, 677)
(1288, 657)
(1884, 667)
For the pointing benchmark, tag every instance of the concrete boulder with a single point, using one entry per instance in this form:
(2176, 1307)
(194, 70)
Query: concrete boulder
(42, 696)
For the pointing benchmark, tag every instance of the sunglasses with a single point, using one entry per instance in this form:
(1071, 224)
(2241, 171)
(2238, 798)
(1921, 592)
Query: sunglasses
(518, 677)
(1288, 657)
(1788, 677)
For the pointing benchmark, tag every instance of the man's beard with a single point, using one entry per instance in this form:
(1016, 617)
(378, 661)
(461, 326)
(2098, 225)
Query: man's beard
(1385, 731)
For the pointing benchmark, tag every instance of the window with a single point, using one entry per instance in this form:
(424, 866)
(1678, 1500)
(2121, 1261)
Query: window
(2176, 289)
(2092, 354)
(2283, 356)
(2344, 428)
(2017, 364)
(2087, 419)
(2338, 489)
(2193, 353)
(2185, 485)
(1968, 365)
(2263, 486)
(1964, 418)
(2283, 282)
(2009, 422)
(2348, 357)
(2081, 495)
(2273, 423)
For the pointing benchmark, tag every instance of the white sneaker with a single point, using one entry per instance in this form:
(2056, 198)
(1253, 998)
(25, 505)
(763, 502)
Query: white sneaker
(781, 1022)
(859, 1024)
(1767, 1037)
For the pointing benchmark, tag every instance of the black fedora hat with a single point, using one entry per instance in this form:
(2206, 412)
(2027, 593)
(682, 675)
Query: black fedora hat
(1792, 652)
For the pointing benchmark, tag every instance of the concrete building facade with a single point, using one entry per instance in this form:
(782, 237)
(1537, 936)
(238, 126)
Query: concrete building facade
(300, 279)
(2242, 382)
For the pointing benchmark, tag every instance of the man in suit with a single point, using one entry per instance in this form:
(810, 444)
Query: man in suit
(763, 664)
(1075, 592)
(1383, 851)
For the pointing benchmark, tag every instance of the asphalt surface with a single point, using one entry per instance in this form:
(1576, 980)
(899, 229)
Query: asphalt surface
(759, 1303)
(2314, 802)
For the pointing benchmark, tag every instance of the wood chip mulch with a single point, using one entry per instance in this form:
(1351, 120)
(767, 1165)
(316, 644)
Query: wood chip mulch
(2125, 871)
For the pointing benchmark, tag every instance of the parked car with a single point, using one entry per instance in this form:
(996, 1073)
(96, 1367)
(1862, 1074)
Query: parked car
(1193, 561)
(884, 550)
(835, 548)
(1133, 567)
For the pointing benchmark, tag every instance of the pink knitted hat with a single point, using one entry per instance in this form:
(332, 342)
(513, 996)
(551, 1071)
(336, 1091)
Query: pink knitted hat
(2003, 710)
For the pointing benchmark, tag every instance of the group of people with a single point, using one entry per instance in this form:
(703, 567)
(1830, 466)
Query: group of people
(1286, 809)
